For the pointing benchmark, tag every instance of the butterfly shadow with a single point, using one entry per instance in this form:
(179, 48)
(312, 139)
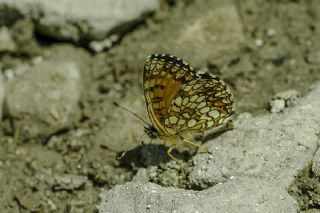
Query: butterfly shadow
(208, 137)
(213, 135)
(151, 155)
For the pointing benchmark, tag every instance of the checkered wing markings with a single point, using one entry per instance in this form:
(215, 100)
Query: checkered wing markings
(199, 105)
(163, 77)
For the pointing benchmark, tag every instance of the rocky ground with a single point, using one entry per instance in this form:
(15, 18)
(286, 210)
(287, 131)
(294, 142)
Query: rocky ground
(63, 64)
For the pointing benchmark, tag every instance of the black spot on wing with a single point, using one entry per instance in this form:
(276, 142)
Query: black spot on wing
(157, 99)
(208, 76)
(172, 59)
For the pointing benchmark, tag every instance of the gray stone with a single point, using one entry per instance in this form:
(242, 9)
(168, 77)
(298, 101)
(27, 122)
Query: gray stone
(273, 147)
(109, 134)
(79, 20)
(277, 105)
(237, 195)
(44, 99)
(198, 30)
(99, 46)
(284, 99)
(218, 27)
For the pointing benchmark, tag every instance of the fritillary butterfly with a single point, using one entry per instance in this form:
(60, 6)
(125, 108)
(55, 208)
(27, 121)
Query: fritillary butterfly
(182, 103)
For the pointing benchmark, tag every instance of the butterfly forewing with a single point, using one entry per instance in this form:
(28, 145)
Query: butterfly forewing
(163, 76)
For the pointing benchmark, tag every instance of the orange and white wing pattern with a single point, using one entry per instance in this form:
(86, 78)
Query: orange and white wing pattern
(200, 105)
(163, 77)
(179, 100)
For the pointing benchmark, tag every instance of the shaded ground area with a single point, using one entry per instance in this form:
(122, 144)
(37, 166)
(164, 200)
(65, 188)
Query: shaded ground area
(306, 189)
(59, 146)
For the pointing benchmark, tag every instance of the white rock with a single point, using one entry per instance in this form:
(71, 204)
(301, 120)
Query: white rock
(45, 98)
(290, 96)
(82, 19)
(284, 99)
(277, 105)
(237, 195)
(259, 42)
(271, 32)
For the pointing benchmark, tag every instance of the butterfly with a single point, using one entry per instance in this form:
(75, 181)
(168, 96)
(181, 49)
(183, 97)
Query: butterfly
(182, 103)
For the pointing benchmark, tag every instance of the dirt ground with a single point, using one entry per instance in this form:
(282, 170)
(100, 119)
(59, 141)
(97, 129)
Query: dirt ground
(66, 170)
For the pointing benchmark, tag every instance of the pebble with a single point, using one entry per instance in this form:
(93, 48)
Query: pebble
(271, 32)
(283, 100)
(259, 42)
(68, 182)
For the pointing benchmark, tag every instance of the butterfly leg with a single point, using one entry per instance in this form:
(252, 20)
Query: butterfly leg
(169, 153)
(182, 167)
(229, 126)
(197, 145)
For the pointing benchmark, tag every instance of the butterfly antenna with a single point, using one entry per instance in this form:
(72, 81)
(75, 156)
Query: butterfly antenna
(128, 110)
(133, 146)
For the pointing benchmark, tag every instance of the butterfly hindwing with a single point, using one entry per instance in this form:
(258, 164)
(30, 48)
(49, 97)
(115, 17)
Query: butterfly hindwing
(200, 105)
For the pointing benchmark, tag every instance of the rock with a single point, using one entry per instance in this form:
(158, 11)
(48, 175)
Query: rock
(44, 99)
(198, 30)
(99, 46)
(109, 133)
(237, 195)
(82, 20)
(284, 99)
(271, 32)
(68, 182)
(6, 42)
(277, 105)
(313, 57)
(273, 147)
(259, 42)
(218, 27)
(23, 34)
(26, 199)
(10, 74)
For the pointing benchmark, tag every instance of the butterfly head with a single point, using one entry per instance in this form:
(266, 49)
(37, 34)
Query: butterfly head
(151, 132)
